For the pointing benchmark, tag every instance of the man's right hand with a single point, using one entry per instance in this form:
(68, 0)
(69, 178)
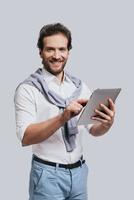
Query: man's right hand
(73, 109)
(38, 132)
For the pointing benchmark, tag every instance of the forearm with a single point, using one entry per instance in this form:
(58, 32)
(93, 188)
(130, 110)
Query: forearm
(36, 133)
(98, 130)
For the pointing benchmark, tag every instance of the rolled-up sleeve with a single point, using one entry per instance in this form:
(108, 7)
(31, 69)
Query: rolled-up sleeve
(25, 109)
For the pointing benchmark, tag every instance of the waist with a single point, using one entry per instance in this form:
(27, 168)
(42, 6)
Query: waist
(66, 166)
(56, 152)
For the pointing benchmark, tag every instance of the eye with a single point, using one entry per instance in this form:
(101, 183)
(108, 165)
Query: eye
(62, 49)
(49, 49)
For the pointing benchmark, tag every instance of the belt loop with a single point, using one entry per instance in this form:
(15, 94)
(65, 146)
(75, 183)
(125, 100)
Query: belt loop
(81, 158)
(57, 165)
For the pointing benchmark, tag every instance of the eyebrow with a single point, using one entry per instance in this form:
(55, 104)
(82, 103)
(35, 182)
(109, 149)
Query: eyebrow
(49, 47)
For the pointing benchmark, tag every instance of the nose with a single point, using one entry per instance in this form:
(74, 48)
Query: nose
(56, 54)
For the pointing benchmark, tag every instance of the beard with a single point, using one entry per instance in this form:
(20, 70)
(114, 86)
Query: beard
(49, 66)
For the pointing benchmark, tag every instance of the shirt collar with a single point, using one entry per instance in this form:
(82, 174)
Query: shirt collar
(48, 77)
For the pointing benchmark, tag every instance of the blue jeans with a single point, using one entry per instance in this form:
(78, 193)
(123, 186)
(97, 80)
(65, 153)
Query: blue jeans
(55, 183)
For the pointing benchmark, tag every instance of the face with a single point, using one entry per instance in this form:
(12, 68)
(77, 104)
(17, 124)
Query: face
(55, 53)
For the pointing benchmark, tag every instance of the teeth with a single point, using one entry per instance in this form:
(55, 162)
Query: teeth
(56, 62)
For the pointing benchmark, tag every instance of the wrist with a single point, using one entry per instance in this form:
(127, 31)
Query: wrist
(98, 129)
(63, 118)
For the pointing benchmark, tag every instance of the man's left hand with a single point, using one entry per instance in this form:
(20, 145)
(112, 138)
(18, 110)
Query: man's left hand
(106, 116)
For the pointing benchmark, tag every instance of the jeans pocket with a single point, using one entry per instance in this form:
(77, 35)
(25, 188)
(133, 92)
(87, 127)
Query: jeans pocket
(36, 176)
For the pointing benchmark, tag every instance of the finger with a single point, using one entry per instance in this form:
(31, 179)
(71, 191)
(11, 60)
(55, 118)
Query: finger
(77, 105)
(83, 102)
(77, 111)
(76, 108)
(103, 115)
(99, 119)
(107, 110)
(111, 104)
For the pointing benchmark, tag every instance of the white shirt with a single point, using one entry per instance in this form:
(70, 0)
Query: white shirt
(32, 107)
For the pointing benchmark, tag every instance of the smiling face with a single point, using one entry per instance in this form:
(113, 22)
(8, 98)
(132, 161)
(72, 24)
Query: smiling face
(55, 53)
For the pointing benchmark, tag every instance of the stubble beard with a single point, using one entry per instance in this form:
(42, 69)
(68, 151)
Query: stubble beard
(47, 66)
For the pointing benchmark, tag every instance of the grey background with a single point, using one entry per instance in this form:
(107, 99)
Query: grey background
(102, 56)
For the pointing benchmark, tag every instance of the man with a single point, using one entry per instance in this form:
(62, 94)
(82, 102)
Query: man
(47, 106)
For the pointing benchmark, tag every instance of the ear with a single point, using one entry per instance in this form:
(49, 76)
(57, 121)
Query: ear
(68, 53)
(40, 53)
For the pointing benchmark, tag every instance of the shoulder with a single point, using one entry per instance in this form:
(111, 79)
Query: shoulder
(85, 86)
(25, 91)
(86, 92)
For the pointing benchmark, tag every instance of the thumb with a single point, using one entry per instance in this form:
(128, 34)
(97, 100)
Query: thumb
(83, 102)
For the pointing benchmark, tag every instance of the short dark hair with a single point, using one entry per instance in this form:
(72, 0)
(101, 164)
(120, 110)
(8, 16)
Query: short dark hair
(53, 29)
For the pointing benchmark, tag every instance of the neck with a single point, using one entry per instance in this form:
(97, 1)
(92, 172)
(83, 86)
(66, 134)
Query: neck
(60, 76)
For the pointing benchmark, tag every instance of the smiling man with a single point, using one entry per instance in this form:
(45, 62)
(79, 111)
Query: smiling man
(47, 106)
(55, 54)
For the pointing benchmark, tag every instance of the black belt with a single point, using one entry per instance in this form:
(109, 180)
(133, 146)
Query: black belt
(67, 166)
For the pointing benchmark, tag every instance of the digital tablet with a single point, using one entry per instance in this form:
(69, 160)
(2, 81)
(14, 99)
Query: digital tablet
(97, 97)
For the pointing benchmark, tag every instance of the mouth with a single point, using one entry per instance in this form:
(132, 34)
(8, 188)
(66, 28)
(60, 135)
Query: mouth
(56, 63)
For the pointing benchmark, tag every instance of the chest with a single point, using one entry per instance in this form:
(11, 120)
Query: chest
(45, 109)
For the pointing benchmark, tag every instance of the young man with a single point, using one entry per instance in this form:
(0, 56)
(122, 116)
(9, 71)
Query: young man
(47, 106)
